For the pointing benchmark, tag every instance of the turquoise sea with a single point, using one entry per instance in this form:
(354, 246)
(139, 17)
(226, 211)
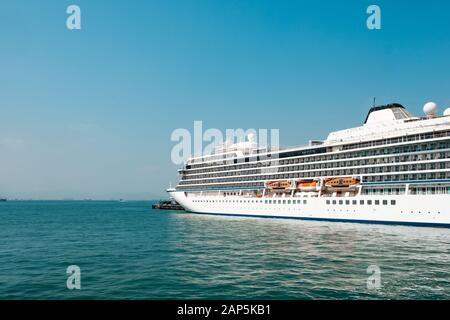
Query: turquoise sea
(126, 250)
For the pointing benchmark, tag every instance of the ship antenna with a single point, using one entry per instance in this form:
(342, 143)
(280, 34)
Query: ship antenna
(374, 101)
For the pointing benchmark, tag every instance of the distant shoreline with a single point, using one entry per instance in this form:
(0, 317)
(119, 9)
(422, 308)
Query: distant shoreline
(79, 200)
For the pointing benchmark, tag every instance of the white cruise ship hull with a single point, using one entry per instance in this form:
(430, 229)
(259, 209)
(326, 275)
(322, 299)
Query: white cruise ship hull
(424, 210)
(395, 169)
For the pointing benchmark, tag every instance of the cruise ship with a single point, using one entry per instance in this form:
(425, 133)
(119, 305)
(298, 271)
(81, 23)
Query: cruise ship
(394, 169)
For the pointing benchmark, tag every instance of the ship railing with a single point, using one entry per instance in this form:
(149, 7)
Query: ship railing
(198, 157)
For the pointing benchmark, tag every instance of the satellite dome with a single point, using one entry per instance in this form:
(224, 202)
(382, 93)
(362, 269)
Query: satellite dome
(430, 109)
(447, 112)
(251, 137)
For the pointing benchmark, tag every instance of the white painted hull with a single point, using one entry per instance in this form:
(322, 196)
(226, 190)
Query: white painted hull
(408, 209)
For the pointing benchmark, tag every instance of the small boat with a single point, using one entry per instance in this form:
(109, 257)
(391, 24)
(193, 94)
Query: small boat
(3, 200)
(308, 184)
(346, 182)
(167, 205)
(279, 184)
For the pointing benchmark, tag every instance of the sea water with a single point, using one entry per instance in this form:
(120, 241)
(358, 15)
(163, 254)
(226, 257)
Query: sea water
(127, 250)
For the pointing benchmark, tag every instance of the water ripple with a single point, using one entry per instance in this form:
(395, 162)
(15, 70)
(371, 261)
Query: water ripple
(129, 251)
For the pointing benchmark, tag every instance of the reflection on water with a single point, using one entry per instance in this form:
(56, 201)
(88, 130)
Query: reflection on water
(280, 258)
(129, 251)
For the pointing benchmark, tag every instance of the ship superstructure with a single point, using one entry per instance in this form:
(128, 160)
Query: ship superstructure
(395, 168)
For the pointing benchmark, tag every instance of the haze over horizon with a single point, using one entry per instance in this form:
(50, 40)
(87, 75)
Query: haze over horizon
(89, 113)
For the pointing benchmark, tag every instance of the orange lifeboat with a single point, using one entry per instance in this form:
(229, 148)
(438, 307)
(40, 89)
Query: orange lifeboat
(346, 182)
(307, 184)
(279, 184)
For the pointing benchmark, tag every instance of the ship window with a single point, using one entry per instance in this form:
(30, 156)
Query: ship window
(361, 201)
(289, 201)
(385, 202)
(393, 202)
(354, 202)
(347, 201)
(284, 201)
(279, 201)
(369, 202)
(304, 201)
(341, 202)
(328, 201)
(377, 202)
(334, 201)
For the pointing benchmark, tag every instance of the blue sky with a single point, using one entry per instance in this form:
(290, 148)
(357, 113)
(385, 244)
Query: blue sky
(89, 113)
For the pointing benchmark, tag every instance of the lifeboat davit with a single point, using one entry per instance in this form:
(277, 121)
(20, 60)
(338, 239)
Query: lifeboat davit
(279, 184)
(308, 184)
(346, 182)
